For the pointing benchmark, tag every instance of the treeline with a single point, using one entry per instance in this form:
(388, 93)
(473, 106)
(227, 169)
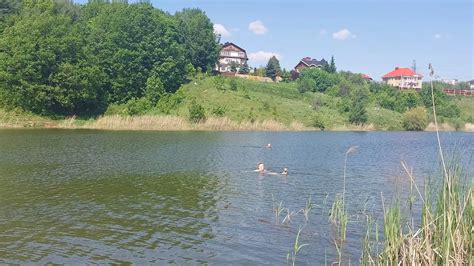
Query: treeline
(59, 58)
(354, 94)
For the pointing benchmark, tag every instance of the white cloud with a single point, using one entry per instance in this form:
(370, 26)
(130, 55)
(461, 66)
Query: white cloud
(257, 27)
(323, 32)
(262, 56)
(343, 34)
(437, 36)
(220, 29)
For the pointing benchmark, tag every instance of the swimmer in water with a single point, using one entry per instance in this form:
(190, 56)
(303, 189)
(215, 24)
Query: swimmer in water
(269, 146)
(285, 171)
(260, 168)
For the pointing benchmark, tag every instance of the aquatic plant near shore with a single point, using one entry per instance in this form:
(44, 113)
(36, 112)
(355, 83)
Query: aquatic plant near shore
(296, 248)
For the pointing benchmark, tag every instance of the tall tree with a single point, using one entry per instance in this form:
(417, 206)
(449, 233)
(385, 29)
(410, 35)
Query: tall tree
(273, 68)
(357, 110)
(197, 34)
(43, 67)
(332, 65)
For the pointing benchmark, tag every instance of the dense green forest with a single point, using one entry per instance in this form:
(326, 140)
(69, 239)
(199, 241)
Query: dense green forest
(59, 58)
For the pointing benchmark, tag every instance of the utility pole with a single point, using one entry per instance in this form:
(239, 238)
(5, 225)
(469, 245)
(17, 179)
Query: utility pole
(414, 65)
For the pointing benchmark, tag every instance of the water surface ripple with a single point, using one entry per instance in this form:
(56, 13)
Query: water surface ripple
(83, 196)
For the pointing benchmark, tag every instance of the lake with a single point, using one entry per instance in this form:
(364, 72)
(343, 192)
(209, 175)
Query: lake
(84, 196)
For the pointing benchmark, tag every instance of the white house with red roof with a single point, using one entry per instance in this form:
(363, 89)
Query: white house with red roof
(403, 78)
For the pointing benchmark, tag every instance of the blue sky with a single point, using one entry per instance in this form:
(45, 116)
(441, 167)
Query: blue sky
(364, 36)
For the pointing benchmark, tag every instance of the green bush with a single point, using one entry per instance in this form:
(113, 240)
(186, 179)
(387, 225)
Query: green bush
(321, 80)
(169, 101)
(306, 84)
(415, 119)
(196, 113)
(154, 89)
(319, 121)
(357, 110)
(219, 82)
(138, 106)
(407, 100)
(218, 111)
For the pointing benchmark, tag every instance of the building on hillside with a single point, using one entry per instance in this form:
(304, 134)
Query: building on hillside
(231, 54)
(308, 62)
(404, 79)
(366, 77)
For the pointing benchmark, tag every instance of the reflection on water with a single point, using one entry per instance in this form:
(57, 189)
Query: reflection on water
(192, 197)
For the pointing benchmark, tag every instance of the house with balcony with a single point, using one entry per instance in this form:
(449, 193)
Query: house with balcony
(404, 79)
(309, 62)
(229, 56)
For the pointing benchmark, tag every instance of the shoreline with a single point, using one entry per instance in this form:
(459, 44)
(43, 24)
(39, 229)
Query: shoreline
(176, 123)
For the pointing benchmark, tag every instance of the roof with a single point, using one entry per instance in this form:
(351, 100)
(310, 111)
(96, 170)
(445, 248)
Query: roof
(365, 76)
(230, 43)
(308, 61)
(401, 72)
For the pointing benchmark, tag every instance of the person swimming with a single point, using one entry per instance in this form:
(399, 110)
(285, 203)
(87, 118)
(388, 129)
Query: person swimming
(269, 146)
(260, 168)
(285, 171)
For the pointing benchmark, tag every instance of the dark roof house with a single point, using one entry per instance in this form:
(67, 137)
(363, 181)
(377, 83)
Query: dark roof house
(309, 62)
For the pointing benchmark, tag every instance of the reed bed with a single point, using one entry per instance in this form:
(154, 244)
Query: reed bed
(351, 127)
(441, 127)
(175, 123)
(469, 127)
(445, 236)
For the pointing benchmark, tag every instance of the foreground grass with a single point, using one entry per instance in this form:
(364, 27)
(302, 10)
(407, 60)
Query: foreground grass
(445, 236)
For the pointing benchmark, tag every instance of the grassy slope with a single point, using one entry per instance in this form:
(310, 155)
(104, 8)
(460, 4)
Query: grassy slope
(251, 101)
(275, 101)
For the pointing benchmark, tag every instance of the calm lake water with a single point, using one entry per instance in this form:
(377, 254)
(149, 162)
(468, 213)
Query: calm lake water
(82, 196)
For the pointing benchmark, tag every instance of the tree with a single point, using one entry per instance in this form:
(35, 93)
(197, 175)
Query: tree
(322, 79)
(305, 84)
(154, 89)
(285, 75)
(197, 34)
(233, 66)
(9, 6)
(406, 100)
(43, 68)
(273, 68)
(357, 110)
(196, 112)
(415, 119)
(244, 69)
(332, 66)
